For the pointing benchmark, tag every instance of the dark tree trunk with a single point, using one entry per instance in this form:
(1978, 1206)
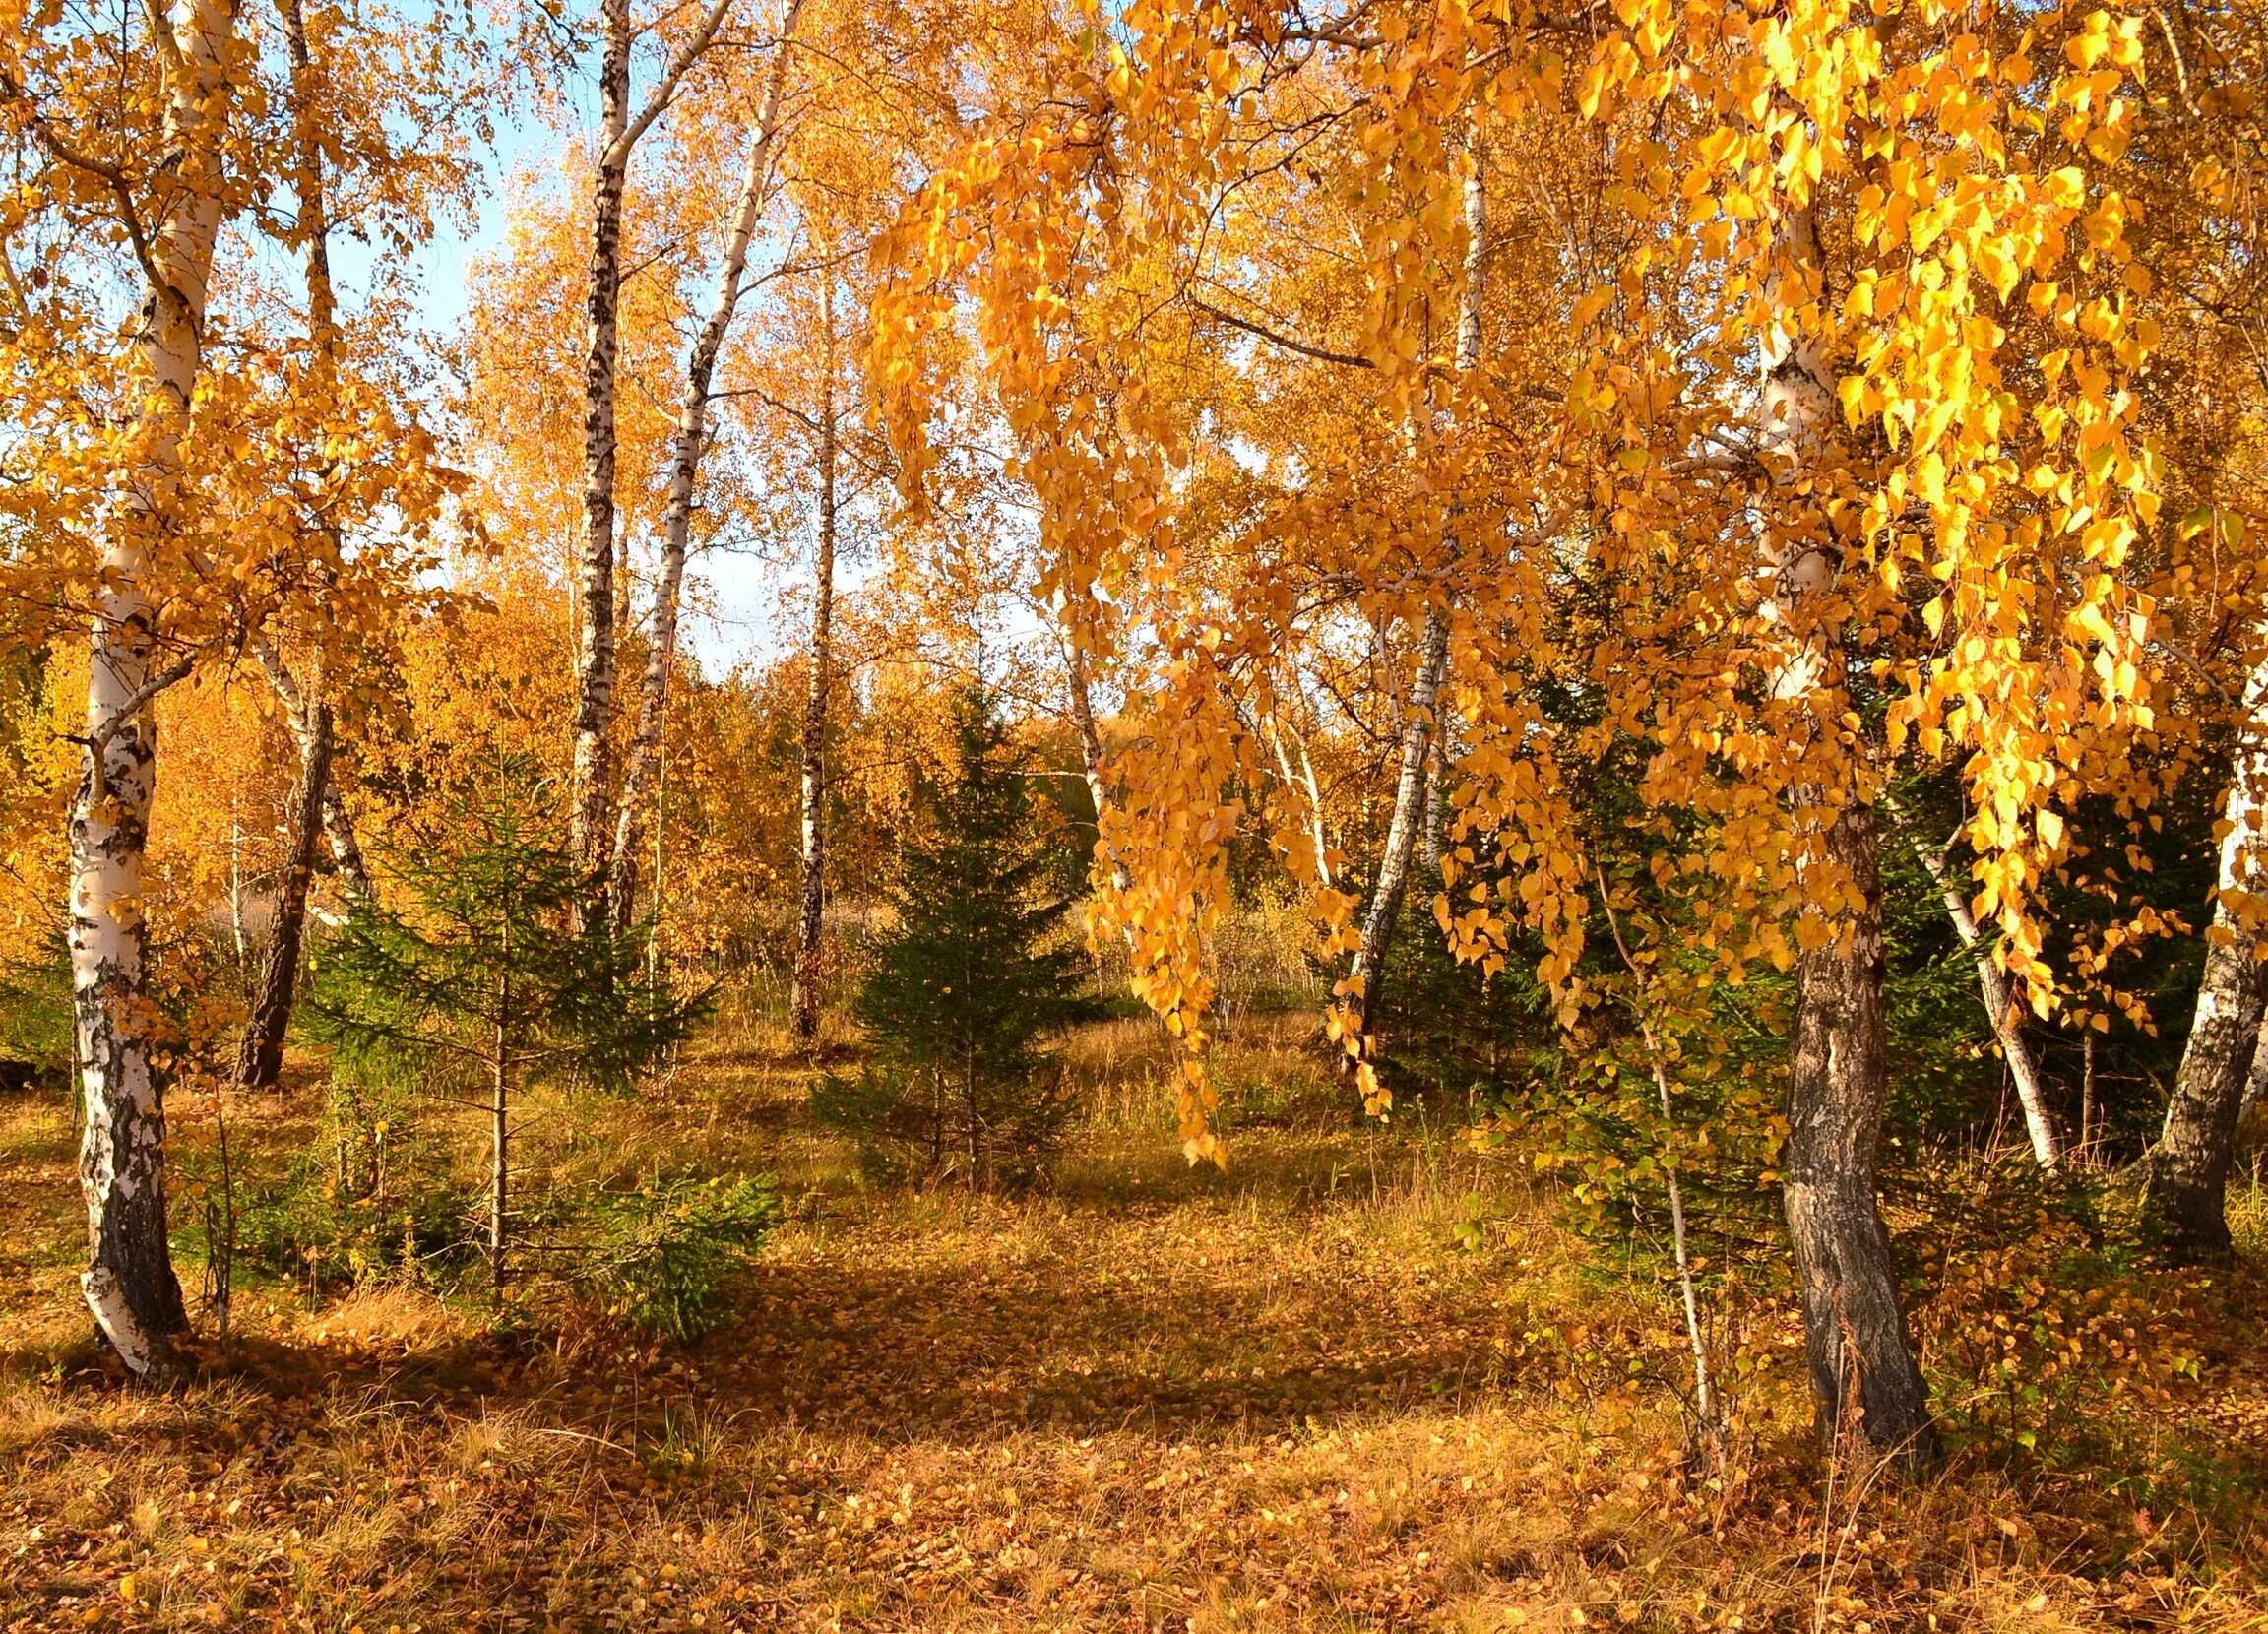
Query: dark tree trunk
(261, 1059)
(1863, 1375)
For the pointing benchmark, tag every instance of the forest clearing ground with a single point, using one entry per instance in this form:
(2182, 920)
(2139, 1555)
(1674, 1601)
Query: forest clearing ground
(1288, 1397)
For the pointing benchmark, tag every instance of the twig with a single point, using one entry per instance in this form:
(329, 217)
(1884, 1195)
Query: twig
(1704, 1388)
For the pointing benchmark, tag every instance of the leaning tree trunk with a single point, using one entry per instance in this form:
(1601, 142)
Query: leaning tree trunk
(1401, 830)
(593, 765)
(687, 445)
(337, 821)
(129, 1282)
(1420, 728)
(1999, 1005)
(811, 920)
(2186, 1172)
(261, 1061)
(1864, 1374)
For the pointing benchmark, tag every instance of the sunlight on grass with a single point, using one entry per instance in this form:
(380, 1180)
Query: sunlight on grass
(1363, 1379)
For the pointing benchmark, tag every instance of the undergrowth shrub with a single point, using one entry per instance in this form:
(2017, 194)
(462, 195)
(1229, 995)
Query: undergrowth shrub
(417, 1226)
(666, 1251)
(2050, 1334)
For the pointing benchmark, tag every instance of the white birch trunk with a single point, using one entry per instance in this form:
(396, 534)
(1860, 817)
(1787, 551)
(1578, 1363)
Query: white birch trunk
(812, 909)
(2186, 1172)
(2000, 1005)
(1419, 724)
(129, 1284)
(687, 445)
(1402, 828)
(592, 835)
(594, 767)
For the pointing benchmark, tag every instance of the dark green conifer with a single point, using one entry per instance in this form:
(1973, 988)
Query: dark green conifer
(972, 980)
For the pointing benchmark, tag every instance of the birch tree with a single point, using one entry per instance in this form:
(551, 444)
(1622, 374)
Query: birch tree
(169, 208)
(688, 442)
(811, 878)
(2185, 1173)
(621, 127)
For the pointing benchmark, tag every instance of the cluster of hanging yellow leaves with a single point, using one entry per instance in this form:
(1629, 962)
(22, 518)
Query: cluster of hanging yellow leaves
(1213, 254)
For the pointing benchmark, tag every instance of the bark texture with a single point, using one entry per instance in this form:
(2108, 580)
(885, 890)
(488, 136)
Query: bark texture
(1402, 831)
(2185, 1174)
(2256, 1081)
(591, 832)
(1865, 1382)
(812, 908)
(260, 1061)
(594, 768)
(337, 821)
(129, 1282)
(687, 445)
(1863, 1377)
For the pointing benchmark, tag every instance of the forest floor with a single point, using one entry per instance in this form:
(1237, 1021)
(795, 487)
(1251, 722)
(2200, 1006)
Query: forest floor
(1362, 1381)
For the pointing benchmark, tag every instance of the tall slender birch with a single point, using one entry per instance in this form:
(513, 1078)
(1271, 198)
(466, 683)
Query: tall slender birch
(1421, 725)
(594, 666)
(810, 922)
(259, 1060)
(129, 1282)
(687, 445)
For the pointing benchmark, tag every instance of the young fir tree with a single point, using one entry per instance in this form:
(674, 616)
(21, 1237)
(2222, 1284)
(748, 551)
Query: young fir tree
(486, 982)
(967, 987)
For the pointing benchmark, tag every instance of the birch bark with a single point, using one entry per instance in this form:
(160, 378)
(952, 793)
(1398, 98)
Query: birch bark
(594, 571)
(812, 906)
(1401, 830)
(1999, 1005)
(1863, 1375)
(591, 832)
(261, 1059)
(129, 1282)
(1419, 724)
(337, 821)
(2185, 1174)
(687, 445)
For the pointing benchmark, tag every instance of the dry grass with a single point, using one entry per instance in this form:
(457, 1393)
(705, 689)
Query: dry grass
(1278, 1398)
